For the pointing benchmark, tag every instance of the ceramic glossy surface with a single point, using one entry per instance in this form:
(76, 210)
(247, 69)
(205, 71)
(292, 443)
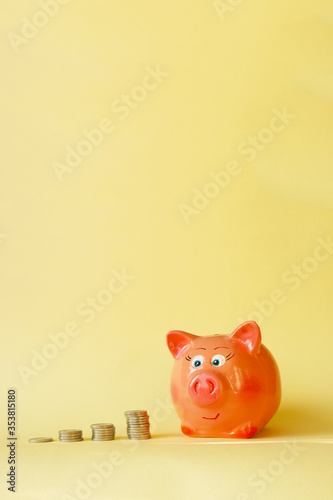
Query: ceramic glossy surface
(223, 385)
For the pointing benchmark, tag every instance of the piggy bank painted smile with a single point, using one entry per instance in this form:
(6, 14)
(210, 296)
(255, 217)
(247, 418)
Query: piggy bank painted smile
(223, 385)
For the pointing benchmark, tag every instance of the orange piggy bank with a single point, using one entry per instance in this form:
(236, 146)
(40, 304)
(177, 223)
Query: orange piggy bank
(223, 385)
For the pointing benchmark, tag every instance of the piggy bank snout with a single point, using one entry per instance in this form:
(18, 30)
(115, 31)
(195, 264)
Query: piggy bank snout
(204, 389)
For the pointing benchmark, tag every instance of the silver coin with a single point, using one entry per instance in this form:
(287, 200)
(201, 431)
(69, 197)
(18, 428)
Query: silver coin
(133, 422)
(101, 438)
(134, 436)
(135, 412)
(68, 438)
(71, 440)
(137, 417)
(70, 433)
(138, 433)
(103, 435)
(139, 424)
(41, 440)
(65, 434)
(138, 427)
(103, 431)
(139, 438)
(104, 439)
(101, 426)
(70, 430)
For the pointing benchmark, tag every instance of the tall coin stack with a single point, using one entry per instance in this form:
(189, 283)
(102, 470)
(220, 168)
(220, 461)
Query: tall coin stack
(70, 435)
(137, 424)
(103, 432)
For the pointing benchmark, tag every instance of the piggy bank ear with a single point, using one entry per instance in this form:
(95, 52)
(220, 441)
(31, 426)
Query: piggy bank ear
(178, 342)
(249, 335)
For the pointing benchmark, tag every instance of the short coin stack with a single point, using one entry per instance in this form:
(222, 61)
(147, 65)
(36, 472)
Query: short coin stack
(137, 424)
(70, 435)
(103, 432)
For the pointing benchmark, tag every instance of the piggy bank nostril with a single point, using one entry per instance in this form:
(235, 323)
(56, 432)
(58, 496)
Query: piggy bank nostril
(211, 386)
(196, 387)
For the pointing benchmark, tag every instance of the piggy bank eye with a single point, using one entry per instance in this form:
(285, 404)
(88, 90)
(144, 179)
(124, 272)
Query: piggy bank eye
(218, 360)
(197, 361)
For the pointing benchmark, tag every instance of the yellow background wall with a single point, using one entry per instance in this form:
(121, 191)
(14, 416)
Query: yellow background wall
(205, 82)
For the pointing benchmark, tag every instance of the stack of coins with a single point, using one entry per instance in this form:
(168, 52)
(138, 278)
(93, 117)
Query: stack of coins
(103, 432)
(137, 424)
(70, 435)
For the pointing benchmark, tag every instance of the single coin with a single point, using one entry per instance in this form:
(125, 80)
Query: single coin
(138, 433)
(41, 440)
(133, 417)
(137, 417)
(143, 431)
(138, 421)
(70, 435)
(70, 430)
(135, 412)
(103, 435)
(139, 438)
(70, 440)
(103, 429)
(138, 425)
(104, 439)
(101, 426)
